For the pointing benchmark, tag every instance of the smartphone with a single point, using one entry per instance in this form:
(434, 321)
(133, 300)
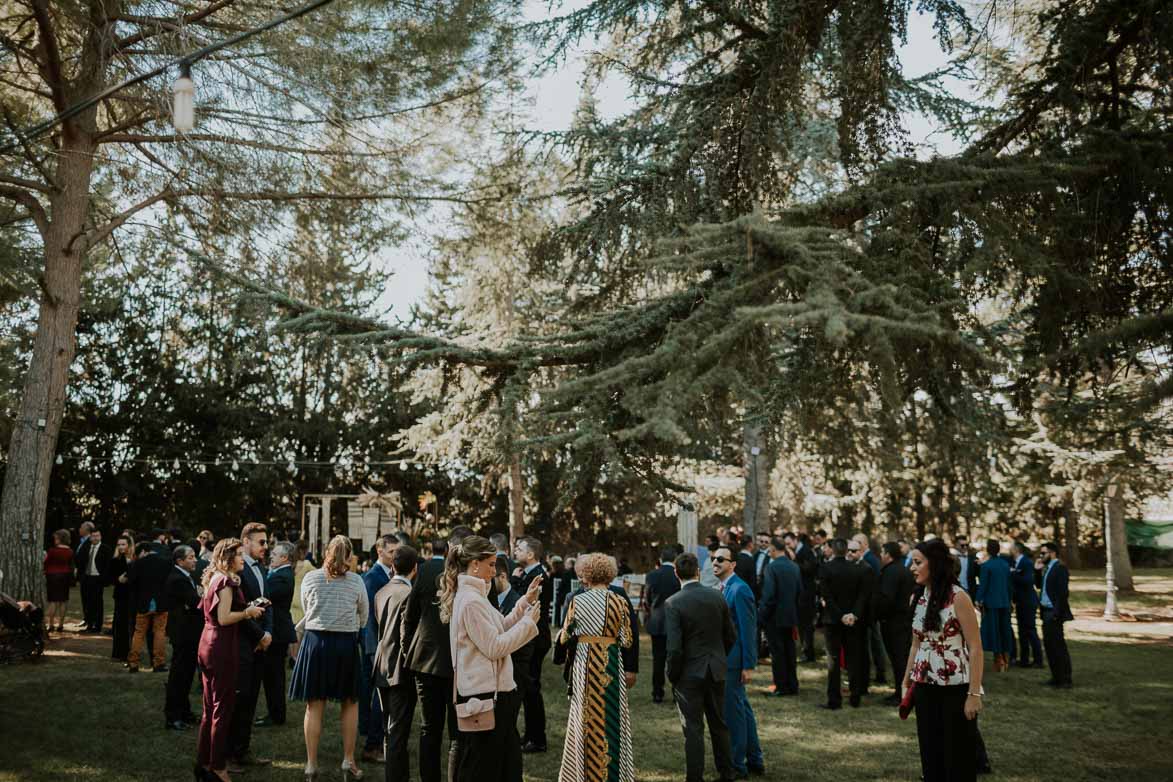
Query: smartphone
(261, 602)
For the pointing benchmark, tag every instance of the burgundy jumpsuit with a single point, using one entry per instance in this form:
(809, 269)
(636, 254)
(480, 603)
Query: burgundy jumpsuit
(219, 660)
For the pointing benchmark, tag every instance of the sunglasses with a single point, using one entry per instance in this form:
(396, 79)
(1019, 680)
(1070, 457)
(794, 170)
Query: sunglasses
(721, 560)
(853, 550)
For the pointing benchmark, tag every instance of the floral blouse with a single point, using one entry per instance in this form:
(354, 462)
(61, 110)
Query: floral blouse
(942, 656)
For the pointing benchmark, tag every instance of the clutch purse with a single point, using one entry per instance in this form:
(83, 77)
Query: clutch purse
(907, 701)
(477, 715)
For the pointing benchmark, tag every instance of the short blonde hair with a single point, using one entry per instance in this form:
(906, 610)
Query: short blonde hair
(336, 560)
(596, 569)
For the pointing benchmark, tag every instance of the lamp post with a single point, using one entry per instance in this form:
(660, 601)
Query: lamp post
(1111, 610)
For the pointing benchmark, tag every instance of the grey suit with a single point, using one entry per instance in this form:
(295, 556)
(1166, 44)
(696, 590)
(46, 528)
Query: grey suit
(700, 634)
(396, 686)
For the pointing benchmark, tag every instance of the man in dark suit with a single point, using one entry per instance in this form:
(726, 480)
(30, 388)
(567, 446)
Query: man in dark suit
(500, 542)
(255, 638)
(745, 566)
(1053, 580)
(781, 593)
(505, 598)
(1026, 602)
(700, 635)
(147, 578)
(370, 716)
(185, 623)
(93, 569)
(430, 661)
(659, 585)
(808, 566)
(968, 577)
(844, 594)
(393, 681)
(529, 558)
(891, 604)
(279, 590)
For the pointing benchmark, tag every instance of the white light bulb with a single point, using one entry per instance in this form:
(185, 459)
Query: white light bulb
(59, 459)
(403, 466)
(235, 466)
(176, 464)
(183, 101)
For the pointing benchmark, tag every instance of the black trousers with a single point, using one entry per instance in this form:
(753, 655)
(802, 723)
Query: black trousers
(248, 688)
(897, 635)
(1058, 658)
(535, 705)
(123, 628)
(806, 630)
(659, 661)
(876, 649)
(177, 702)
(948, 741)
(1030, 649)
(493, 755)
(435, 700)
(92, 607)
(853, 642)
(699, 701)
(273, 680)
(783, 658)
(398, 707)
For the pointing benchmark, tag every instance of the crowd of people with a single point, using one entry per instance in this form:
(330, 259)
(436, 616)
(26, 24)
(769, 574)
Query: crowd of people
(461, 628)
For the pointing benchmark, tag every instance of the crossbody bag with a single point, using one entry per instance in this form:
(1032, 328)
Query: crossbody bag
(476, 713)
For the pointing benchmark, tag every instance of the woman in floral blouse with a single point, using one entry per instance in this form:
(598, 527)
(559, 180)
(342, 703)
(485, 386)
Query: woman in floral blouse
(945, 663)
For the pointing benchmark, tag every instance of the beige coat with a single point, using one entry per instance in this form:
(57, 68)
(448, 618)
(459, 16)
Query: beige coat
(482, 639)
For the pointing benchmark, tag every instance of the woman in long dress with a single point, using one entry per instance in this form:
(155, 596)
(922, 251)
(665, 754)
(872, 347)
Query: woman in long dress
(598, 731)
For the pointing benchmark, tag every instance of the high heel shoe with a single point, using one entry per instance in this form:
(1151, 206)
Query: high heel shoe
(311, 774)
(350, 771)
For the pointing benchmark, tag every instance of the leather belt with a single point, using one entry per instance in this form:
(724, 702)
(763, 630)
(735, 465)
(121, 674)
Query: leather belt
(602, 640)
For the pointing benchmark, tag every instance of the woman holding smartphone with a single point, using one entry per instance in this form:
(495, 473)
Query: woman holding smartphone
(945, 663)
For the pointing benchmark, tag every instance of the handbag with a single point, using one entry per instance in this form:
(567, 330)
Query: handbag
(906, 703)
(477, 713)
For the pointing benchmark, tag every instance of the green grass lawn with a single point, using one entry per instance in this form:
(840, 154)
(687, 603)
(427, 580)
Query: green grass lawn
(78, 716)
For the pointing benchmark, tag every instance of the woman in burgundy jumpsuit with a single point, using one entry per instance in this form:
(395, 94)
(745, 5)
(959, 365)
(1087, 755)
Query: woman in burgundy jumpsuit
(223, 605)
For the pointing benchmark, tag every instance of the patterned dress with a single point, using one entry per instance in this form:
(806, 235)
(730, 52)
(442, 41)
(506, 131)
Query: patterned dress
(942, 656)
(598, 730)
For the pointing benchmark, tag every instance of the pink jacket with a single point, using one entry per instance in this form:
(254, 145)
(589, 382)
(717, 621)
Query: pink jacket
(482, 639)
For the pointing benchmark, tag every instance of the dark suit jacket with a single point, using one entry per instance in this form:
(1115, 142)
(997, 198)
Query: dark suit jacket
(891, 600)
(185, 620)
(253, 630)
(279, 589)
(423, 632)
(808, 566)
(745, 570)
(780, 591)
(521, 584)
(81, 560)
(1022, 576)
(971, 575)
(374, 579)
(843, 587)
(1057, 583)
(659, 585)
(148, 581)
(521, 658)
(700, 633)
(389, 609)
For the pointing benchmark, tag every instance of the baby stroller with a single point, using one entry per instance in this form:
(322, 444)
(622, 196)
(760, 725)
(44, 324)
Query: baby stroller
(22, 630)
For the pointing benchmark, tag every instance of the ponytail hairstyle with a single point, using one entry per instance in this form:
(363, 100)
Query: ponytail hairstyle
(336, 560)
(461, 554)
(942, 577)
(221, 563)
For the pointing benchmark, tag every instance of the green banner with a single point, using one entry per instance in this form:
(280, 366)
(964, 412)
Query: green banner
(1150, 534)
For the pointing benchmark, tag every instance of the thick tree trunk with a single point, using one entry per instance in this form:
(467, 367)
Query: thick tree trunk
(756, 515)
(516, 501)
(1071, 533)
(1121, 562)
(922, 515)
(42, 403)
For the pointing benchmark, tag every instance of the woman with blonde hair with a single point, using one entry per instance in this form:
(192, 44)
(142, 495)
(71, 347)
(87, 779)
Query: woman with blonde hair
(597, 624)
(481, 641)
(328, 663)
(224, 608)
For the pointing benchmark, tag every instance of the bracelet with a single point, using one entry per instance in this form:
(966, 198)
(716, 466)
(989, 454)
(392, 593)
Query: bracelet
(975, 695)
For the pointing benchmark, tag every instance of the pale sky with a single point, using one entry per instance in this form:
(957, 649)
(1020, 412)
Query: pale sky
(555, 98)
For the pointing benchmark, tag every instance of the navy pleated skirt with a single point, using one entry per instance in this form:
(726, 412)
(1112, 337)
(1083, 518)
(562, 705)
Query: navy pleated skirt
(327, 667)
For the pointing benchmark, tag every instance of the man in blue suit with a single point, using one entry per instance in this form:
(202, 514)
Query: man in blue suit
(1053, 581)
(659, 585)
(739, 663)
(781, 587)
(1026, 602)
(370, 713)
(993, 599)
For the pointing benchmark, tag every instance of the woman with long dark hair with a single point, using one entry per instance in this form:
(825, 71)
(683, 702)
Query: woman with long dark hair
(481, 641)
(945, 663)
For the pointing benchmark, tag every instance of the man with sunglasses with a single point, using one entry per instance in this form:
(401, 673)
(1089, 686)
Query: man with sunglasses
(740, 662)
(841, 586)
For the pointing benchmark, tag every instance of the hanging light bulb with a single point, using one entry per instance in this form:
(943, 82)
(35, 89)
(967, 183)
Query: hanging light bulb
(292, 468)
(235, 466)
(59, 459)
(403, 466)
(183, 100)
(175, 465)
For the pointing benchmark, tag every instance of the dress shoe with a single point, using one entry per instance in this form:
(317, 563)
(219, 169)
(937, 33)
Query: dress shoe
(757, 771)
(251, 760)
(854, 702)
(177, 725)
(373, 755)
(160, 669)
(533, 746)
(264, 722)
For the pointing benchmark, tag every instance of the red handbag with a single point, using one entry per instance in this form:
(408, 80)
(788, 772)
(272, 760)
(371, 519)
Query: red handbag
(907, 701)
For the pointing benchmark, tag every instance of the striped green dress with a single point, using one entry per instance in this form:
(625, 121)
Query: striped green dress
(598, 730)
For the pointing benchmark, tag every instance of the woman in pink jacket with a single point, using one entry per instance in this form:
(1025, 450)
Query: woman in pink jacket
(481, 641)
